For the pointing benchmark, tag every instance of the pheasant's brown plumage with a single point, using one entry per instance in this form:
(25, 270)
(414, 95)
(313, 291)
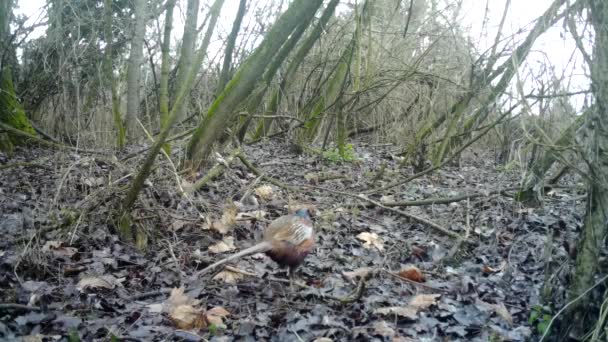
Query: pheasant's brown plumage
(287, 241)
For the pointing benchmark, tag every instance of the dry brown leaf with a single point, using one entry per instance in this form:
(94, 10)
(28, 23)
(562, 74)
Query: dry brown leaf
(358, 273)
(412, 273)
(265, 192)
(499, 308)
(489, 270)
(502, 311)
(371, 240)
(216, 315)
(228, 276)
(188, 317)
(226, 245)
(104, 282)
(178, 297)
(50, 245)
(182, 310)
(219, 227)
(383, 329)
(401, 311)
(423, 301)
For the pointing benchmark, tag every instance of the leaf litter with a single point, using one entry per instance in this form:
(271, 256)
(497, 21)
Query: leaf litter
(75, 276)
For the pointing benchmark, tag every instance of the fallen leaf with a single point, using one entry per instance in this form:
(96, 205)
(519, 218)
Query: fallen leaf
(423, 301)
(228, 276)
(226, 245)
(58, 250)
(418, 251)
(383, 329)
(371, 240)
(155, 308)
(490, 270)
(401, 311)
(182, 310)
(216, 315)
(412, 273)
(178, 297)
(502, 311)
(187, 317)
(104, 282)
(358, 273)
(265, 192)
(177, 225)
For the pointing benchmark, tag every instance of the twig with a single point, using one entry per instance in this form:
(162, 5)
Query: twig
(392, 274)
(401, 212)
(21, 307)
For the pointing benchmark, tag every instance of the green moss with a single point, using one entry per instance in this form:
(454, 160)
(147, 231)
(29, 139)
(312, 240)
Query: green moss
(11, 111)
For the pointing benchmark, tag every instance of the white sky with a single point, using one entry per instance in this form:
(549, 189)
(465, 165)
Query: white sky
(551, 47)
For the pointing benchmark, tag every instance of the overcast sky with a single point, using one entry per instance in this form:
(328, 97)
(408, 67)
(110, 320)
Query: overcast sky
(553, 47)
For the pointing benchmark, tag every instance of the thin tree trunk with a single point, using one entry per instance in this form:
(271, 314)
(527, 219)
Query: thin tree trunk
(187, 50)
(109, 74)
(227, 63)
(222, 111)
(134, 67)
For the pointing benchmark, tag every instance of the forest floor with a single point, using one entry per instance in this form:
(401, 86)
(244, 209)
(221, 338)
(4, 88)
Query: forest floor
(376, 274)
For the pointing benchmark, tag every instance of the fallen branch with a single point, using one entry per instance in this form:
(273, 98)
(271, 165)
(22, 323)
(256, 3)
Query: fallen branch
(401, 212)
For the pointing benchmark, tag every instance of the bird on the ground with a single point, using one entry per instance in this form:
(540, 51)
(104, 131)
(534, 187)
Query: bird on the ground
(287, 241)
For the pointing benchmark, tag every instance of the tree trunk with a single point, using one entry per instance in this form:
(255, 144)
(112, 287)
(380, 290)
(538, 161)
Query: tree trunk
(11, 111)
(227, 63)
(187, 50)
(585, 310)
(109, 74)
(134, 67)
(222, 111)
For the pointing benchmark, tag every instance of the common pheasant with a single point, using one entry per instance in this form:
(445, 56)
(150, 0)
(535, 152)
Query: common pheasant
(287, 241)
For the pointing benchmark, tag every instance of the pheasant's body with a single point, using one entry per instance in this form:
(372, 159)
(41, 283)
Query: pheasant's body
(291, 238)
(287, 241)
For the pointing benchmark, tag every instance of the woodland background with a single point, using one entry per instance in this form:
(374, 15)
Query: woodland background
(368, 109)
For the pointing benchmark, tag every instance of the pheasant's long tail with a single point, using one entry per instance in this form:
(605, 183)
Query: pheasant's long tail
(258, 248)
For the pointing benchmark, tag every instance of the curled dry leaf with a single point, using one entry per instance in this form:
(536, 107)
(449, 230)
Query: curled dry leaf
(182, 310)
(382, 328)
(423, 301)
(188, 317)
(228, 276)
(358, 273)
(401, 311)
(490, 270)
(227, 221)
(371, 240)
(103, 282)
(58, 250)
(265, 192)
(412, 273)
(216, 315)
(226, 245)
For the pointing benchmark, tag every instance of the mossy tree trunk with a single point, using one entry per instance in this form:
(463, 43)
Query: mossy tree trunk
(275, 99)
(134, 67)
(223, 110)
(11, 111)
(533, 184)
(230, 43)
(109, 74)
(592, 240)
(187, 50)
(124, 223)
